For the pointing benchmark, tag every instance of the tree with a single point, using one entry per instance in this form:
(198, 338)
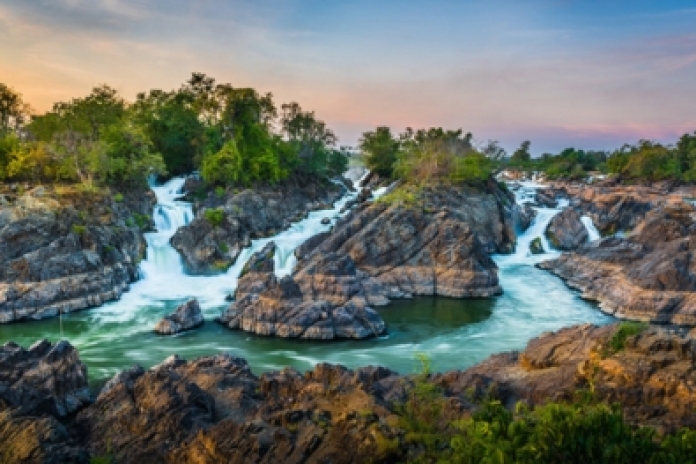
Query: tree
(171, 122)
(380, 149)
(313, 142)
(13, 110)
(521, 157)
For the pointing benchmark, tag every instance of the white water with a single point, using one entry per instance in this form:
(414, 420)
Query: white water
(591, 229)
(454, 333)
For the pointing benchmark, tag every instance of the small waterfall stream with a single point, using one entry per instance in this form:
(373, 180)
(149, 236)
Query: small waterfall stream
(454, 333)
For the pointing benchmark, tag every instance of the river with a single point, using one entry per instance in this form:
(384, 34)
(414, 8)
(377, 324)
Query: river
(454, 334)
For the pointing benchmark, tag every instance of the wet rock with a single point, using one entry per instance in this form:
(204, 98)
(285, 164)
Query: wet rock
(46, 379)
(647, 277)
(545, 200)
(566, 230)
(326, 221)
(536, 247)
(207, 246)
(186, 317)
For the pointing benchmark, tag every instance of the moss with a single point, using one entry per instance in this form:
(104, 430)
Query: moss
(79, 229)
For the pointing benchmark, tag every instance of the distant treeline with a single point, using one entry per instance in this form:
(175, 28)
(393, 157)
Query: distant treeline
(232, 135)
(437, 155)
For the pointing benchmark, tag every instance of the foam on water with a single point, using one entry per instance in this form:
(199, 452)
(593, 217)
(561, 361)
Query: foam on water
(454, 333)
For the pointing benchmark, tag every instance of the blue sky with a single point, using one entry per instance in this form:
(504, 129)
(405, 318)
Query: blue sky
(590, 74)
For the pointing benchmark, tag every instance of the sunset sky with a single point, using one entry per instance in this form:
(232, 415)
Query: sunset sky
(589, 74)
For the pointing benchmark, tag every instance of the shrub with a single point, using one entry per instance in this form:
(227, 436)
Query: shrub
(214, 216)
(78, 229)
(118, 198)
(626, 329)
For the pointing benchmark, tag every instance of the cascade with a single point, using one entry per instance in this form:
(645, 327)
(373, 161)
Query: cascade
(591, 229)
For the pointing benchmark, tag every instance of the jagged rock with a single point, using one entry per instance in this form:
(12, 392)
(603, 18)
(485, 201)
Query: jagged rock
(62, 253)
(206, 247)
(523, 216)
(326, 221)
(544, 199)
(37, 440)
(536, 247)
(323, 302)
(46, 379)
(422, 250)
(648, 276)
(186, 317)
(304, 250)
(566, 230)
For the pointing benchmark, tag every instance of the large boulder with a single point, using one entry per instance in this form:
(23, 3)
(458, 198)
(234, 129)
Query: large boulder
(46, 379)
(417, 250)
(186, 317)
(566, 230)
(64, 252)
(324, 302)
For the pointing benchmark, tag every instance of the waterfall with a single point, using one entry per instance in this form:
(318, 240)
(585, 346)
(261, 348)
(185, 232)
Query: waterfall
(591, 229)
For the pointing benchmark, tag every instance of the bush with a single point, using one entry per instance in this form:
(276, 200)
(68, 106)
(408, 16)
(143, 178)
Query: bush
(626, 329)
(214, 216)
(118, 198)
(78, 229)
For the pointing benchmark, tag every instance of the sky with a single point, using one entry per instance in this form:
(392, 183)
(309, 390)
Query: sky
(591, 74)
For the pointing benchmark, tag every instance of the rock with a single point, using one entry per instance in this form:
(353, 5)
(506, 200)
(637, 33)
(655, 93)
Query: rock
(309, 245)
(422, 250)
(536, 247)
(46, 379)
(62, 253)
(545, 200)
(523, 216)
(186, 317)
(37, 439)
(326, 221)
(646, 277)
(206, 247)
(566, 230)
(324, 302)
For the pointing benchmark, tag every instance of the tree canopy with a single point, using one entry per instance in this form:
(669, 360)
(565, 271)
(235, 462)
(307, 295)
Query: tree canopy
(228, 133)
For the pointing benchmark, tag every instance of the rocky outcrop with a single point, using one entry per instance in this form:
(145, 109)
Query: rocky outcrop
(46, 379)
(225, 224)
(566, 230)
(536, 247)
(437, 247)
(653, 376)
(186, 317)
(326, 301)
(614, 207)
(63, 251)
(214, 409)
(648, 276)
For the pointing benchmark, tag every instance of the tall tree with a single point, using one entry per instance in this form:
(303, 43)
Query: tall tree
(13, 110)
(380, 149)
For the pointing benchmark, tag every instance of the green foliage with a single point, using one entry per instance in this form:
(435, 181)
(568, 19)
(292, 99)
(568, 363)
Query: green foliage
(118, 198)
(105, 459)
(214, 216)
(220, 191)
(420, 415)
(229, 133)
(78, 229)
(553, 433)
(626, 329)
(224, 247)
(401, 196)
(436, 156)
(380, 149)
